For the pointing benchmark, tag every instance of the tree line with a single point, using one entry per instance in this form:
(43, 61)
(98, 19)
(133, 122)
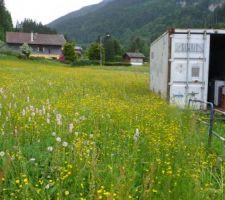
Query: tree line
(29, 25)
(106, 49)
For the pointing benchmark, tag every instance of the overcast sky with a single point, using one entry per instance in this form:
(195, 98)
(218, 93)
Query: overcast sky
(44, 11)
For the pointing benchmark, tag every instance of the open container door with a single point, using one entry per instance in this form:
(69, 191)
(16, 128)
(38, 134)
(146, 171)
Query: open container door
(189, 67)
(216, 68)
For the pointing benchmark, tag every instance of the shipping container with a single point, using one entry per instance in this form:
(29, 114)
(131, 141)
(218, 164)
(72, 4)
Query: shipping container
(188, 64)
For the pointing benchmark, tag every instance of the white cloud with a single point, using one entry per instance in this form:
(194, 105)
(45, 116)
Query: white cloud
(44, 11)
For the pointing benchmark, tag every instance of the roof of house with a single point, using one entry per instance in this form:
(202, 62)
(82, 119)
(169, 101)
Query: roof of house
(34, 38)
(134, 55)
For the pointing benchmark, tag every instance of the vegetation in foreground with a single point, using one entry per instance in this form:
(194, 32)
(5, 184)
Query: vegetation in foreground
(98, 133)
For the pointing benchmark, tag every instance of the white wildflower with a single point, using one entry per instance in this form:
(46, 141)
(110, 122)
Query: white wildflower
(40, 112)
(50, 149)
(15, 131)
(47, 186)
(2, 153)
(71, 128)
(33, 114)
(82, 118)
(32, 108)
(53, 134)
(28, 99)
(32, 160)
(58, 139)
(48, 121)
(65, 144)
(59, 119)
(136, 135)
(23, 112)
(43, 110)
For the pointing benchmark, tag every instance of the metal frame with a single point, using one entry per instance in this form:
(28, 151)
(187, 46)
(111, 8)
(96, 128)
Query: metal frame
(211, 132)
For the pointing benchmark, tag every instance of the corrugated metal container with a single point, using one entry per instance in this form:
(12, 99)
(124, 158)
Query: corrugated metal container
(223, 98)
(186, 63)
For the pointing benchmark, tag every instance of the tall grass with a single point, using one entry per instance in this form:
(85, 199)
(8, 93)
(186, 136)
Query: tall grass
(98, 133)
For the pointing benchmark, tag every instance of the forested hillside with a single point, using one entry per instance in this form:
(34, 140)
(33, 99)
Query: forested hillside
(5, 20)
(127, 19)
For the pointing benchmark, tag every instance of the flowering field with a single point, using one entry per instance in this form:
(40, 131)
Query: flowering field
(98, 133)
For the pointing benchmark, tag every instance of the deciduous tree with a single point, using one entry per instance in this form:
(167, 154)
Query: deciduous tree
(94, 52)
(69, 52)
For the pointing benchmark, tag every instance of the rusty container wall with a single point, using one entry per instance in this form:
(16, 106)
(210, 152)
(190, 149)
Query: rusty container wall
(159, 65)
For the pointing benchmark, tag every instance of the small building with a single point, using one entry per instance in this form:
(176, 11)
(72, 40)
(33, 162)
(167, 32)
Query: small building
(43, 45)
(135, 59)
(78, 50)
(189, 64)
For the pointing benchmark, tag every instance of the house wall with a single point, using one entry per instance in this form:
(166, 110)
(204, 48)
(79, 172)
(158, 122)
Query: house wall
(39, 49)
(136, 61)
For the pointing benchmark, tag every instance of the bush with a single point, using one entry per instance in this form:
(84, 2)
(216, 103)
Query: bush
(26, 50)
(85, 63)
(1, 43)
(118, 64)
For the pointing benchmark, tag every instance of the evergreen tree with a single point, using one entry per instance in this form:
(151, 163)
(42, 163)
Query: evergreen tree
(29, 25)
(5, 20)
(112, 48)
(139, 45)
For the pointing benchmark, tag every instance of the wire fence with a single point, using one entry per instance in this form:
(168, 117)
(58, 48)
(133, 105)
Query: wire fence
(214, 119)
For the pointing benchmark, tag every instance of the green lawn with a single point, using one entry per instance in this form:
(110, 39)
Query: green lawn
(98, 133)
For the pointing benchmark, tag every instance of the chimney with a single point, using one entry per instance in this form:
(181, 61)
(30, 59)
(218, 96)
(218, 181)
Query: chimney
(31, 36)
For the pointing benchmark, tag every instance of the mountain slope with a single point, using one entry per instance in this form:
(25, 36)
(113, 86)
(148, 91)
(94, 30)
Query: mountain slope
(144, 18)
(83, 11)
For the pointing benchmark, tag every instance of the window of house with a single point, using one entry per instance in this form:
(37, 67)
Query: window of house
(41, 49)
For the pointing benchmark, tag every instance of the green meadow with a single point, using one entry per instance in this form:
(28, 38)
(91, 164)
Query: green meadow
(99, 133)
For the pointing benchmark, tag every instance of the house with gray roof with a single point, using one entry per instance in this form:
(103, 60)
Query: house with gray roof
(43, 45)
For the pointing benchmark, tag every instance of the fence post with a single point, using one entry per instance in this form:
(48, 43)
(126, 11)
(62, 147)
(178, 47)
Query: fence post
(210, 132)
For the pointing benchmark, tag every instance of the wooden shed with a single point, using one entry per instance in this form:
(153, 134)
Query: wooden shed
(135, 59)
